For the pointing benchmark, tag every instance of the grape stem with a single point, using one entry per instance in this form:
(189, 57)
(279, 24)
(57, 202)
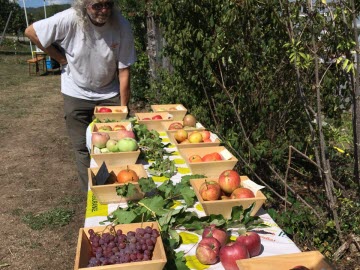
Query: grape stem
(152, 212)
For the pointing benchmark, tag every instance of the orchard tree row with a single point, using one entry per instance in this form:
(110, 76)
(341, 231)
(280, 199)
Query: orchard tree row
(278, 82)
(17, 20)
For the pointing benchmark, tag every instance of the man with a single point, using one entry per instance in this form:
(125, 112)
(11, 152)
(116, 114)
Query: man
(97, 50)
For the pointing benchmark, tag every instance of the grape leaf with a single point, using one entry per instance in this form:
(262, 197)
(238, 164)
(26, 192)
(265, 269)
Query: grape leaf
(147, 184)
(122, 216)
(155, 205)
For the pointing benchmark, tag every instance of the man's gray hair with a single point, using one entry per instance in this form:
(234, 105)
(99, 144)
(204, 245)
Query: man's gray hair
(80, 8)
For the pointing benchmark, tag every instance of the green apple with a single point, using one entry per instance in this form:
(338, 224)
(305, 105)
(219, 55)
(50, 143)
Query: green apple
(127, 145)
(111, 145)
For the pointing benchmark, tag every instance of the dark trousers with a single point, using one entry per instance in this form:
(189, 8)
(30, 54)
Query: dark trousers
(78, 114)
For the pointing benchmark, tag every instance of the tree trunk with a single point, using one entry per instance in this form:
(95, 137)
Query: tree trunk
(356, 109)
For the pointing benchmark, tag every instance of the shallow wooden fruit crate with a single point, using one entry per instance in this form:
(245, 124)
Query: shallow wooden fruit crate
(97, 126)
(106, 194)
(215, 142)
(177, 110)
(313, 260)
(118, 113)
(224, 207)
(208, 168)
(154, 124)
(83, 250)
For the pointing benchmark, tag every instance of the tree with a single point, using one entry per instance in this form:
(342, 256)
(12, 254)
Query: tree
(17, 21)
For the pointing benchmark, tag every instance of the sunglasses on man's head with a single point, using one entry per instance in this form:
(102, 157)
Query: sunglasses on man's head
(100, 6)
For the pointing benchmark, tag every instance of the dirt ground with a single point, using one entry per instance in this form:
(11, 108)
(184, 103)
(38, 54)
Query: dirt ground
(38, 174)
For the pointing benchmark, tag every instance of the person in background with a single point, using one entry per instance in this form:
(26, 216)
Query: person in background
(97, 50)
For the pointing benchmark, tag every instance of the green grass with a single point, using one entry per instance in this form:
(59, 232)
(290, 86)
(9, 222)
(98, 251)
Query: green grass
(53, 218)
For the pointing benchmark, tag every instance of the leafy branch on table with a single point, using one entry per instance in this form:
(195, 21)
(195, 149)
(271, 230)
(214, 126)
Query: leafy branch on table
(169, 205)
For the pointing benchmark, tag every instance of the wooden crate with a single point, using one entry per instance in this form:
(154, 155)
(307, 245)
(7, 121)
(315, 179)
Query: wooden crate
(126, 124)
(198, 127)
(177, 110)
(313, 260)
(154, 124)
(106, 194)
(83, 250)
(115, 158)
(224, 207)
(210, 168)
(118, 113)
(215, 142)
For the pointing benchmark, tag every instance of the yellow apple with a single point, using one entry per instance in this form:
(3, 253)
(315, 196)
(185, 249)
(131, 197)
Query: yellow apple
(195, 137)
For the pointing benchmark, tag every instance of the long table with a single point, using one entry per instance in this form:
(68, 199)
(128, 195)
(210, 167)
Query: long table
(273, 238)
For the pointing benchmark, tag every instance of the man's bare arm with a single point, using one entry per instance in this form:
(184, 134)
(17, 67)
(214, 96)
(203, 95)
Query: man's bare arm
(51, 50)
(124, 79)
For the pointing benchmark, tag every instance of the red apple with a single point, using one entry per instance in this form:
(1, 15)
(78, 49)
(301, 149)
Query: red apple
(207, 140)
(205, 134)
(252, 242)
(217, 156)
(232, 252)
(99, 139)
(229, 180)
(176, 125)
(210, 190)
(123, 133)
(218, 233)
(156, 117)
(242, 193)
(212, 157)
(207, 251)
(119, 127)
(104, 110)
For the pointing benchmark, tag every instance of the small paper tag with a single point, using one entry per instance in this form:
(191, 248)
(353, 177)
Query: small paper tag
(97, 150)
(213, 137)
(102, 176)
(129, 126)
(226, 154)
(179, 107)
(251, 185)
(198, 125)
(170, 116)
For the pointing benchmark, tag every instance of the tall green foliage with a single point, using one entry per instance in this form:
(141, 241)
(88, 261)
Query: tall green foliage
(257, 73)
(17, 19)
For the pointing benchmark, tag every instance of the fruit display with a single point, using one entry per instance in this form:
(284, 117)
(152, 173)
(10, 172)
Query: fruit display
(115, 148)
(216, 246)
(214, 156)
(178, 111)
(112, 126)
(110, 113)
(102, 143)
(218, 193)
(126, 246)
(182, 138)
(119, 175)
(153, 120)
(214, 160)
(216, 200)
(227, 186)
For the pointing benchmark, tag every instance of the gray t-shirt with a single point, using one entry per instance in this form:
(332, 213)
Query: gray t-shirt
(93, 55)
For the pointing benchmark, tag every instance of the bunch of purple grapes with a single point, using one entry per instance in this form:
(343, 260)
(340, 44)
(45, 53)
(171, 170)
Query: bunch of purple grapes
(116, 247)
